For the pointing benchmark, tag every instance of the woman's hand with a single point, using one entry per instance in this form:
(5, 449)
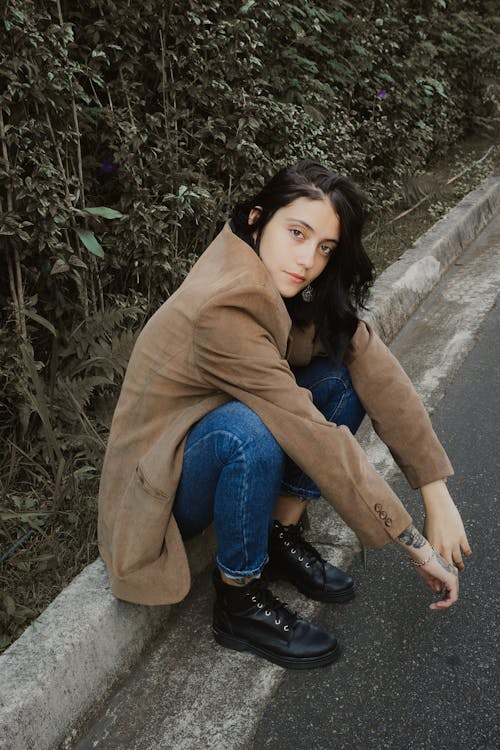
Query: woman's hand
(441, 575)
(443, 525)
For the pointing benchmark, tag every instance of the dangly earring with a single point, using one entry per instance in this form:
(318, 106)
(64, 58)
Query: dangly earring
(308, 293)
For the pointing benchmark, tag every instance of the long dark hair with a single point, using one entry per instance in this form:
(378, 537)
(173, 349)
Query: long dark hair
(342, 287)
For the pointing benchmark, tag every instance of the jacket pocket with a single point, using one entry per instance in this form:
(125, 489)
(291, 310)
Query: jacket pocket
(140, 527)
(148, 487)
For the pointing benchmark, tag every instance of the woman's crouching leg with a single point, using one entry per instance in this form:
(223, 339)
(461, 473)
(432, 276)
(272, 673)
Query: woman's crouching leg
(334, 395)
(292, 558)
(232, 473)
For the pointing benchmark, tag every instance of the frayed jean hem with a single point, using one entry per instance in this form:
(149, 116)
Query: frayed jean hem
(239, 575)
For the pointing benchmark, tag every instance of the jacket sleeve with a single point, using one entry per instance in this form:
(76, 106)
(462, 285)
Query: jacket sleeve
(397, 413)
(239, 349)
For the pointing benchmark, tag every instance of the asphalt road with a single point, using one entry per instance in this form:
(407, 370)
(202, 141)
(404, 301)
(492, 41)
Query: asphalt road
(411, 678)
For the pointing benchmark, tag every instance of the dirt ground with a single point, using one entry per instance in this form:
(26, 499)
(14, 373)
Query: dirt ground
(388, 237)
(62, 554)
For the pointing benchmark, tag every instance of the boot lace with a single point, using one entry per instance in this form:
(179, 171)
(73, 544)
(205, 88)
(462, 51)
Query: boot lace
(293, 537)
(265, 599)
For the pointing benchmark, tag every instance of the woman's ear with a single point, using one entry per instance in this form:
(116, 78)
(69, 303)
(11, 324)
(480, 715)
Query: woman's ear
(254, 214)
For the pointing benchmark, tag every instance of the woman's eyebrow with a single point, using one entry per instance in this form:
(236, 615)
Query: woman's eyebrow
(307, 226)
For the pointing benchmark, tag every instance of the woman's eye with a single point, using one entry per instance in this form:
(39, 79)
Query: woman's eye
(326, 249)
(296, 232)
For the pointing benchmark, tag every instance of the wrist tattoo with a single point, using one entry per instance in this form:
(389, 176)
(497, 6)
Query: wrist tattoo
(412, 537)
(449, 568)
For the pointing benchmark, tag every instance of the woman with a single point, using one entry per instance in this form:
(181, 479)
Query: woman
(212, 423)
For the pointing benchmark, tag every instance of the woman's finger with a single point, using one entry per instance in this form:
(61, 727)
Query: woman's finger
(438, 586)
(466, 547)
(457, 559)
(450, 597)
(434, 583)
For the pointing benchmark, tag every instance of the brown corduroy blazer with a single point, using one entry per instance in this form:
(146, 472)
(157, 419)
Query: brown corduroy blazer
(225, 334)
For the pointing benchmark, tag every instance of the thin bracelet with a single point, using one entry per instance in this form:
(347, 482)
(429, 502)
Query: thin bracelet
(424, 562)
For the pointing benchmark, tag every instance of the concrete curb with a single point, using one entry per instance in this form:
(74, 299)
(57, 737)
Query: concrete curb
(403, 286)
(75, 650)
(67, 661)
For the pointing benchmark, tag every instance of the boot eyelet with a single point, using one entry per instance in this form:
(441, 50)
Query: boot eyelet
(286, 627)
(260, 605)
(267, 613)
(293, 550)
(281, 535)
(277, 622)
(308, 565)
(287, 544)
(301, 558)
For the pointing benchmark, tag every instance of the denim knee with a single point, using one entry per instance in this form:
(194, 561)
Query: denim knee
(332, 391)
(334, 396)
(246, 431)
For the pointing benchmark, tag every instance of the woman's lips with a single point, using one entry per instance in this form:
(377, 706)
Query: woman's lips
(295, 277)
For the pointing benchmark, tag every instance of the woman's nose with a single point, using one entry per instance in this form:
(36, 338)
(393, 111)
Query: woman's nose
(306, 256)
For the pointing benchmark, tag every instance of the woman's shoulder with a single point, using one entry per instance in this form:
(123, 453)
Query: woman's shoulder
(230, 271)
(229, 256)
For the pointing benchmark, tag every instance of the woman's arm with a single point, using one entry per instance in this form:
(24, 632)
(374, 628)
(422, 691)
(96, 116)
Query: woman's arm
(443, 526)
(396, 411)
(401, 421)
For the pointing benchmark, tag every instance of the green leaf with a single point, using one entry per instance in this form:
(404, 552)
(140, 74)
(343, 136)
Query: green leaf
(360, 49)
(39, 319)
(339, 16)
(89, 240)
(60, 266)
(246, 7)
(74, 260)
(106, 213)
(9, 604)
(84, 471)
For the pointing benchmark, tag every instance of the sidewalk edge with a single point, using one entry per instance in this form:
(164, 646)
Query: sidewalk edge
(403, 286)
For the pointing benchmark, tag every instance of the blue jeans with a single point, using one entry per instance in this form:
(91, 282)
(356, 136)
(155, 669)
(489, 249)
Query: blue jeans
(234, 470)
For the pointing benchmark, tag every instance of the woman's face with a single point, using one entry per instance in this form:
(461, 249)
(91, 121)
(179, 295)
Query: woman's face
(297, 242)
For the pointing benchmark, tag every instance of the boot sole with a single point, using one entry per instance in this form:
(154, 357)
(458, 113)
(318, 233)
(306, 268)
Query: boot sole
(320, 596)
(289, 662)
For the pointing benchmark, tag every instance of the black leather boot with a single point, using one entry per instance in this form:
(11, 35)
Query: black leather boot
(251, 618)
(293, 559)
